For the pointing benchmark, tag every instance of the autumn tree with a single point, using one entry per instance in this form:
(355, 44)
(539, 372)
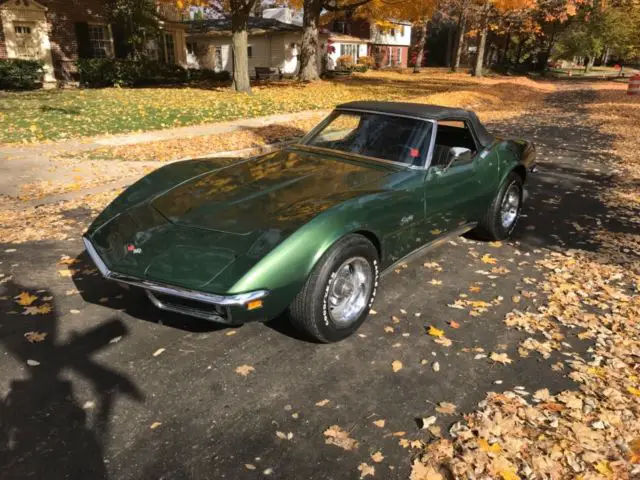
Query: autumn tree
(485, 9)
(309, 48)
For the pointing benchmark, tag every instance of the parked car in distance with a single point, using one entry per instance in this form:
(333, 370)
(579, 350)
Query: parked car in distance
(309, 229)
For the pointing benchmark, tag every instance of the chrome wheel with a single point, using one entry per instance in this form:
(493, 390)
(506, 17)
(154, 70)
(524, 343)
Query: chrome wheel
(510, 206)
(349, 291)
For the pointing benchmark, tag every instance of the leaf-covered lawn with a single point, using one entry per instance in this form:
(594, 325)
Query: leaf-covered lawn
(60, 114)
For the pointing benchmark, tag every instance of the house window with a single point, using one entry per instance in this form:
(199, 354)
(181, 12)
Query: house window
(250, 51)
(27, 45)
(398, 56)
(100, 41)
(349, 49)
(169, 48)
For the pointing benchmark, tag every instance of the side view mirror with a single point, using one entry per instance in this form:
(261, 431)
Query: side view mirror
(458, 154)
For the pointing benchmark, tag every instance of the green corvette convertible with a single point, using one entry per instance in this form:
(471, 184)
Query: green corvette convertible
(309, 229)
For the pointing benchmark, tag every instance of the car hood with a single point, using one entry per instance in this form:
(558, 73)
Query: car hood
(275, 191)
(208, 231)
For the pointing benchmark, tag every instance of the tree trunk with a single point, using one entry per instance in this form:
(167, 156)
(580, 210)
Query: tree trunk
(605, 56)
(505, 48)
(309, 48)
(420, 53)
(588, 65)
(462, 24)
(477, 72)
(450, 39)
(519, 53)
(239, 44)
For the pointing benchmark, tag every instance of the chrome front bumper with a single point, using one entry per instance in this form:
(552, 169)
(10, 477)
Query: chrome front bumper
(218, 307)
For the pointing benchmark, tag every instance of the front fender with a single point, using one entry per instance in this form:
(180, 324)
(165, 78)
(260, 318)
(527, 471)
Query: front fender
(286, 268)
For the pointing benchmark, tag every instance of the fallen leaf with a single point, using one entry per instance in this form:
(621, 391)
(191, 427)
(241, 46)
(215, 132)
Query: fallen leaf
(366, 470)
(33, 363)
(155, 425)
(377, 457)
(231, 332)
(428, 422)
(379, 423)
(74, 311)
(249, 466)
(420, 471)
(396, 365)
(500, 358)
(604, 469)
(322, 403)
(388, 329)
(35, 337)
(454, 324)
(435, 332)
(25, 299)
(444, 341)
(334, 435)
(446, 407)
(486, 258)
(433, 281)
(115, 339)
(485, 447)
(39, 310)
(284, 436)
(245, 370)
(436, 366)
(158, 352)
(399, 434)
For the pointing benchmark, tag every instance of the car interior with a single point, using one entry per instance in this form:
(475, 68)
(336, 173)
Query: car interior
(451, 134)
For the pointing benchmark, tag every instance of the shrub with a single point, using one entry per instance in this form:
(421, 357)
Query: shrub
(360, 68)
(345, 62)
(211, 75)
(16, 74)
(367, 61)
(104, 72)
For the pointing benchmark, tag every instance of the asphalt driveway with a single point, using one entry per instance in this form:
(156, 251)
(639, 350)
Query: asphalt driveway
(120, 390)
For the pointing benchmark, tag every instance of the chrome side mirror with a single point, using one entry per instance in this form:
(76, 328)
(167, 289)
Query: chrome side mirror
(458, 154)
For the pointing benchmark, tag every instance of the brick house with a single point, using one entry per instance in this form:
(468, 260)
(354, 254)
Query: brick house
(388, 46)
(60, 32)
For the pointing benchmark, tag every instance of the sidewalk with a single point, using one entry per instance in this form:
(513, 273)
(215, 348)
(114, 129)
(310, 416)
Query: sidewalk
(37, 164)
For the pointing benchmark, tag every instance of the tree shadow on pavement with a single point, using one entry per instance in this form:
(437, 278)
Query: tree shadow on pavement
(576, 169)
(45, 432)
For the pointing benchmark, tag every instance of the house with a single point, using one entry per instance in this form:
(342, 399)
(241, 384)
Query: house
(271, 43)
(60, 32)
(388, 45)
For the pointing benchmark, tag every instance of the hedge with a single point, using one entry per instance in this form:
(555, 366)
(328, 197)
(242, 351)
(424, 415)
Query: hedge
(18, 74)
(106, 72)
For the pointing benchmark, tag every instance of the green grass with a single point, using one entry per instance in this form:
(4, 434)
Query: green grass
(50, 115)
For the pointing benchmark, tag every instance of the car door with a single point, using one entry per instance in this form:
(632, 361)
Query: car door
(453, 190)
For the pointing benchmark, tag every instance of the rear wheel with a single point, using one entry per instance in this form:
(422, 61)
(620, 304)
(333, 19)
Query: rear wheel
(503, 213)
(338, 294)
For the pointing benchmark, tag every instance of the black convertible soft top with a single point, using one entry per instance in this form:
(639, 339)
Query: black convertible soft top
(428, 112)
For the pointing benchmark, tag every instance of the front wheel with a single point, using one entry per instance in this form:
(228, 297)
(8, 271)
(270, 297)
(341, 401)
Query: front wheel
(338, 294)
(503, 213)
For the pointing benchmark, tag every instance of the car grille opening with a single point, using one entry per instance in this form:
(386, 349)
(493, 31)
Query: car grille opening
(192, 307)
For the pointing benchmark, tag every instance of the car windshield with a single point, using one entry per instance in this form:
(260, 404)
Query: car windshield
(386, 137)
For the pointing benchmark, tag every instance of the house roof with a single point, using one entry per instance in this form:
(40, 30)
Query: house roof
(428, 112)
(221, 27)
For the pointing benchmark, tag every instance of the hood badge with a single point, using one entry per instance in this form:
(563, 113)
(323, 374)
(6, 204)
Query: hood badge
(133, 249)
